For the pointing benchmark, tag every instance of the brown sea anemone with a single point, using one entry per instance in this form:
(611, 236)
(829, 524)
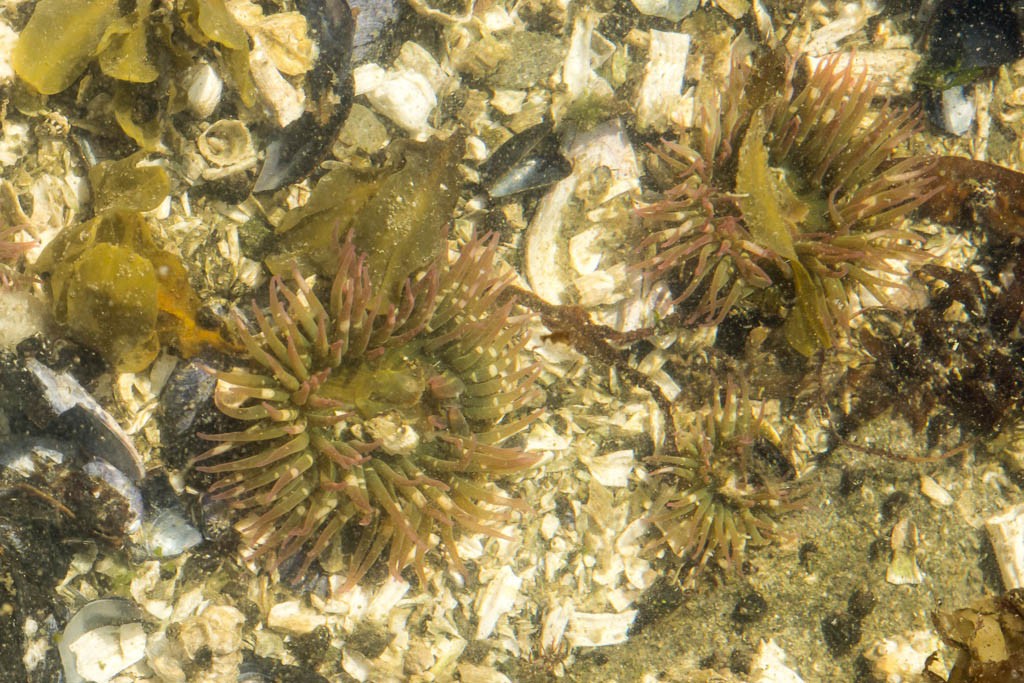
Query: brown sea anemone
(375, 420)
(721, 489)
(797, 190)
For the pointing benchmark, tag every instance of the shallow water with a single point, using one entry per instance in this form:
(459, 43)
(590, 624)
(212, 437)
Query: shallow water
(842, 388)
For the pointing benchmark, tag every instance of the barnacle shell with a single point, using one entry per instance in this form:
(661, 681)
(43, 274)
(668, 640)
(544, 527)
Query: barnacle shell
(205, 87)
(227, 145)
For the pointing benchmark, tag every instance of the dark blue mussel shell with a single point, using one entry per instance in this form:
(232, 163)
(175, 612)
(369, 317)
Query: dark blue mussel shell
(529, 160)
(295, 151)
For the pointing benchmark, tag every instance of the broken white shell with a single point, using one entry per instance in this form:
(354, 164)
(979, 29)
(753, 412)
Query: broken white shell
(284, 101)
(205, 87)
(104, 638)
(495, 600)
(903, 569)
(607, 147)
(935, 492)
(406, 98)
(1006, 530)
(904, 657)
(597, 630)
(673, 10)
(769, 665)
(660, 100)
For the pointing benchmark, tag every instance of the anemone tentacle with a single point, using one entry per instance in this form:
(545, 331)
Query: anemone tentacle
(387, 417)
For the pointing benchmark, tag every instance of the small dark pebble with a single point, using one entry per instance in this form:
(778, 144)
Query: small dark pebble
(749, 608)
(894, 504)
(851, 481)
(368, 641)
(841, 631)
(661, 599)
(311, 647)
(256, 669)
(808, 553)
(739, 661)
(862, 602)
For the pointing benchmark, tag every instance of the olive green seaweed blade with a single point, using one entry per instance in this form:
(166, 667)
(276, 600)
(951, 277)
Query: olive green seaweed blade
(59, 41)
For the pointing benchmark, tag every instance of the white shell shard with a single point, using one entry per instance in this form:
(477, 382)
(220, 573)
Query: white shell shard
(611, 469)
(660, 99)
(1006, 531)
(853, 16)
(596, 630)
(890, 71)
(294, 618)
(104, 652)
(205, 87)
(555, 623)
(904, 657)
(957, 112)
(935, 492)
(495, 600)
(903, 569)
(405, 93)
(769, 665)
(102, 639)
(284, 101)
(606, 146)
(578, 69)
(169, 534)
(386, 599)
(8, 37)
(673, 10)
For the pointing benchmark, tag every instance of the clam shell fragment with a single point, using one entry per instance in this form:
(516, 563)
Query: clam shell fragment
(1006, 530)
(104, 638)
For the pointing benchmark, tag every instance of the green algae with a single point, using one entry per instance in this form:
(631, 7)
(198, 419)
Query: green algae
(60, 40)
(120, 294)
(397, 215)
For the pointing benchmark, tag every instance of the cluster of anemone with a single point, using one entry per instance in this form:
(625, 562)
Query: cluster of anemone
(796, 191)
(722, 488)
(375, 423)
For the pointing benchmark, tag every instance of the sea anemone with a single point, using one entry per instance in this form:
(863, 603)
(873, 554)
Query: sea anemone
(721, 488)
(375, 420)
(797, 189)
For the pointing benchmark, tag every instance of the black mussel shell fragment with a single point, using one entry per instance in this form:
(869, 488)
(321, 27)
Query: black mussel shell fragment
(293, 152)
(375, 22)
(187, 393)
(968, 39)
(256, 669)
(98, 614)
(75, 414)
(186, 410)
(529, 160)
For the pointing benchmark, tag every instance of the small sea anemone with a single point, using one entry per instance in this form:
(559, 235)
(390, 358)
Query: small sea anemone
(721, 488)
(375, 420)
(797, 188)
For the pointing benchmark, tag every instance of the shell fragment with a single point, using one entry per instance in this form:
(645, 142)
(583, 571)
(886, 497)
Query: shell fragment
(1006, 530)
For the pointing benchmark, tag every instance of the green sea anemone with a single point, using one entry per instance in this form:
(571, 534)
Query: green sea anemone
(720, 490)
(375, 420)
(797, 191)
